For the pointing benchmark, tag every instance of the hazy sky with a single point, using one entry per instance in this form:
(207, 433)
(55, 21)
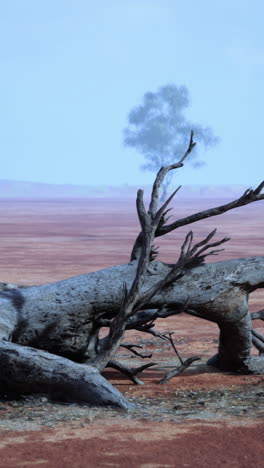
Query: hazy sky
(71, 70)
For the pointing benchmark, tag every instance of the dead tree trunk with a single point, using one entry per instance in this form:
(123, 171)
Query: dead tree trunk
(49, 335)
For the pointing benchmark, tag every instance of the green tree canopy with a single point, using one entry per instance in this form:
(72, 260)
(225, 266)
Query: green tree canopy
(160, 131)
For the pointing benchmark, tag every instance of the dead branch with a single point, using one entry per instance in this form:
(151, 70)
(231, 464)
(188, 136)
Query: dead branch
(131, 347)
(184, 364)
(189, 258)
(130, 372)
(160, 178)
(258, 315)
(156, 216)
(180, 369)
(149, 222)
(249, 196)
(258, 344)
(257, 334)
(168, 336)
(146, 317)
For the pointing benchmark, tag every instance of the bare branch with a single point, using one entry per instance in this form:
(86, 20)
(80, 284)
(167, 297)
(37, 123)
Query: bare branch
(249, 196)
(162, 209)
(130, 347)
(186, 246)
(258, 335)
(258, 315)
(149, 223)
(204, 241)
(156, 216)
(164, 219)
(132, 372)
(162, 173)
(188, 259)
(180, 369)
(141, 210)
(153, 253)
(259, 189)
(214, 244)
(184, 364)
(258, 344)
(147, 317)
(168, 336)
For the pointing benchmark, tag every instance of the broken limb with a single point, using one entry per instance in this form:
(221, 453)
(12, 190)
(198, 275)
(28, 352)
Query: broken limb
(28, 370)
(130, 372)
(185, 364)
(258, 315)
(249, 196)
(131, 347)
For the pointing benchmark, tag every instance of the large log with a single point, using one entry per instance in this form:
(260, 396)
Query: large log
(60, 318)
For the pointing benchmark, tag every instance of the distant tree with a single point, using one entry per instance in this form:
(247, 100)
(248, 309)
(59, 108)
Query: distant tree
(160, 131)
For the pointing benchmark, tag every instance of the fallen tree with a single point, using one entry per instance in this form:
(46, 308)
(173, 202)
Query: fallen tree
(49, 335)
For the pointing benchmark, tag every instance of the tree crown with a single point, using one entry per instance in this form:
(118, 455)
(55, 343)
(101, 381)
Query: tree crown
(159, 129)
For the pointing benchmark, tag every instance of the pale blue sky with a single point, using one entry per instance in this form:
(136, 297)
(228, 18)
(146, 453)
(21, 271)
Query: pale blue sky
(71, 70)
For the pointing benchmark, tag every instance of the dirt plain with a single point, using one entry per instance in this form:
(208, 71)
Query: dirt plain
(201, 418)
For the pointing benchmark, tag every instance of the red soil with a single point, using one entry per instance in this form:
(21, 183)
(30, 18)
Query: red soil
(137, 444)
(47, 241)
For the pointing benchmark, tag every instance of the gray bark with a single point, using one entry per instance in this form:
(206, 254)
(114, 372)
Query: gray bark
(61, 317)
(29, 370)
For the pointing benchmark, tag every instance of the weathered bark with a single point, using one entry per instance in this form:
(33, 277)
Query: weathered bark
(59, 318)
(29, 370)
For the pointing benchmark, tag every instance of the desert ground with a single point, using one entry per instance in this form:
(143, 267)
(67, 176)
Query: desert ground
(201, 418)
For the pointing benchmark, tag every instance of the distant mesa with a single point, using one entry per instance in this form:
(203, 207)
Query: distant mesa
(36, 190)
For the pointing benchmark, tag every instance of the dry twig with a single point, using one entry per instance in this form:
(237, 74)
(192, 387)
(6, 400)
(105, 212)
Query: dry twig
(130, 372)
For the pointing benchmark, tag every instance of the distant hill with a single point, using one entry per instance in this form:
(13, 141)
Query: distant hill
(20, 189)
